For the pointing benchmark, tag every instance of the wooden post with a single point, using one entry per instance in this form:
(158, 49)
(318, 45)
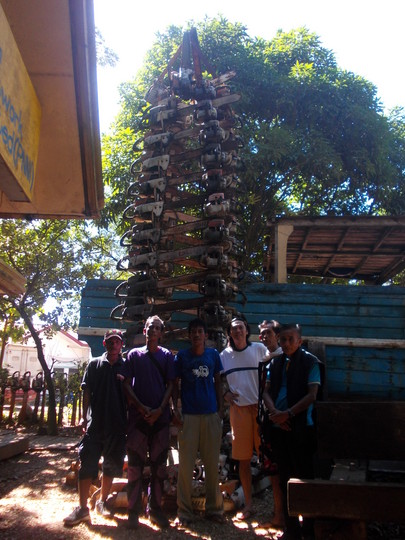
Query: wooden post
(280, 264)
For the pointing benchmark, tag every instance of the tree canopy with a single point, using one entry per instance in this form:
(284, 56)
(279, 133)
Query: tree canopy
(316, 139)
(56, 257)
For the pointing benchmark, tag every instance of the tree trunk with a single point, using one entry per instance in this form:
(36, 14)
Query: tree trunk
(74, 409)
(3, 341)
(51, 420)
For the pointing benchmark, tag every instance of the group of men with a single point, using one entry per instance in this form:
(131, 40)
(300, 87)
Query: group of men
(126, 410)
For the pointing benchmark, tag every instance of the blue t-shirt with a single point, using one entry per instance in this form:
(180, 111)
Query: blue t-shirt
(198, 394)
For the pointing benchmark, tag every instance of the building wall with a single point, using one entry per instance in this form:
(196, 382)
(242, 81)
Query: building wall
(62, 353)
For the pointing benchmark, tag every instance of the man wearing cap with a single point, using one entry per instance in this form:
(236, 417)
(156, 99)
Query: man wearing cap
(104, 423)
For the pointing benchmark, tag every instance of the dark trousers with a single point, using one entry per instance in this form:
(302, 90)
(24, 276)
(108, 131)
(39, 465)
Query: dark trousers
(294, 454)
(152, 441)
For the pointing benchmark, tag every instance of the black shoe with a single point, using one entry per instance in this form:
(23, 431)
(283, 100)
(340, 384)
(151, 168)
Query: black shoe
(158, 518)
(133, 521)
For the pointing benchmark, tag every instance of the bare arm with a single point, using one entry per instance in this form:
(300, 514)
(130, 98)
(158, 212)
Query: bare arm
(155, 413)
(218, 392)
(133, 399)
(175, 398)
(267, 399)
(228, 396)
(85, 407)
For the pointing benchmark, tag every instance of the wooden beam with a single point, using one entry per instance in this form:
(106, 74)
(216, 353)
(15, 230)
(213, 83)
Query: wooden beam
(341, 221)
(282, 234)
(351, 342)
(338, 250)
(368, 501)
(11, 281)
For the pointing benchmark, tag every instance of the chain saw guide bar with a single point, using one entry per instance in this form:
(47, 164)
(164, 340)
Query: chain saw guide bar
(185, 198)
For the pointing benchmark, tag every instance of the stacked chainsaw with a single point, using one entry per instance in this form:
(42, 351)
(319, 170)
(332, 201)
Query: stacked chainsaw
(183, 210)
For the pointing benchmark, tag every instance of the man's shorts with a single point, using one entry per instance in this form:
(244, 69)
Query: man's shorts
(91, 449)
(245, 431)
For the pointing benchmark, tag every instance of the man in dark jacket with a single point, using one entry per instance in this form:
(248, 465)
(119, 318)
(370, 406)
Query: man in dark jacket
(293, 382)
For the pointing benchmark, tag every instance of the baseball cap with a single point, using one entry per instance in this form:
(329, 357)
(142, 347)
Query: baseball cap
(113, 333)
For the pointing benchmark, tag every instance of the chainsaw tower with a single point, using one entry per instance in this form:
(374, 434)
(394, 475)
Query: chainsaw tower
(183, 210)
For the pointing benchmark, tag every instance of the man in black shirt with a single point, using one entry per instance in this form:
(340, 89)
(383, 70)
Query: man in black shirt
(104, 423)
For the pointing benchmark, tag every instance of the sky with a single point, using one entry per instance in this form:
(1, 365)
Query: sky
(366, 36)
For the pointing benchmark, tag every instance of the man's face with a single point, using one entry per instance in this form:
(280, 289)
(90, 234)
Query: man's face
(290, 341)
(153, 330)
(113, 345)
(269, 338)
(197, 336)
(239, 333)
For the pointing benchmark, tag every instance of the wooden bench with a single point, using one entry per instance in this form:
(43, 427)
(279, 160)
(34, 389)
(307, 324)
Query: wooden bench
(360, 437)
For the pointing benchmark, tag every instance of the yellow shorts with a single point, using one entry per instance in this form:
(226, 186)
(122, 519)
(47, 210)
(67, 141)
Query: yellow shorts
(245, 431)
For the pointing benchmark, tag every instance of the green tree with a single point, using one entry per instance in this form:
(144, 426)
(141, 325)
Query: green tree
(9, 328)
(56, 258)
(316, 139)
(105, 55)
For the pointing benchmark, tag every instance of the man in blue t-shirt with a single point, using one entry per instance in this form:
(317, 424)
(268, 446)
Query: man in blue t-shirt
(293, 382)
(198, 369)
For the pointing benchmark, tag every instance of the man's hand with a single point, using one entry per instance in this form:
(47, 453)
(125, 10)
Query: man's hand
(231, 397)
(177, 417)
(83, 424)
(153, 415)
(282, 418)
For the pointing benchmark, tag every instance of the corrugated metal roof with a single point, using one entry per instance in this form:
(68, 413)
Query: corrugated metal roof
(368, 248)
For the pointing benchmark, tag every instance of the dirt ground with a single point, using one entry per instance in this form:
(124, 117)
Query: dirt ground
(34, 499)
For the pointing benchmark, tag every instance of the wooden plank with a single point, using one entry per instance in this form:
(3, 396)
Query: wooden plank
(339, 325)
(100, 302)
(323, 293)
(99, 322)
(349, 471)
(102, 283)
(365, 430)
(328, 307)
(12, 445)
(370, 501)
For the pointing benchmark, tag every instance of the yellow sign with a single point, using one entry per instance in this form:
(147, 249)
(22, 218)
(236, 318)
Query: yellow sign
(20, 118)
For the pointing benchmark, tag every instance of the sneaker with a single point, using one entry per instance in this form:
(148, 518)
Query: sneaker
(133, 521)
(102, 509)
(158, 518)
(77, 516)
